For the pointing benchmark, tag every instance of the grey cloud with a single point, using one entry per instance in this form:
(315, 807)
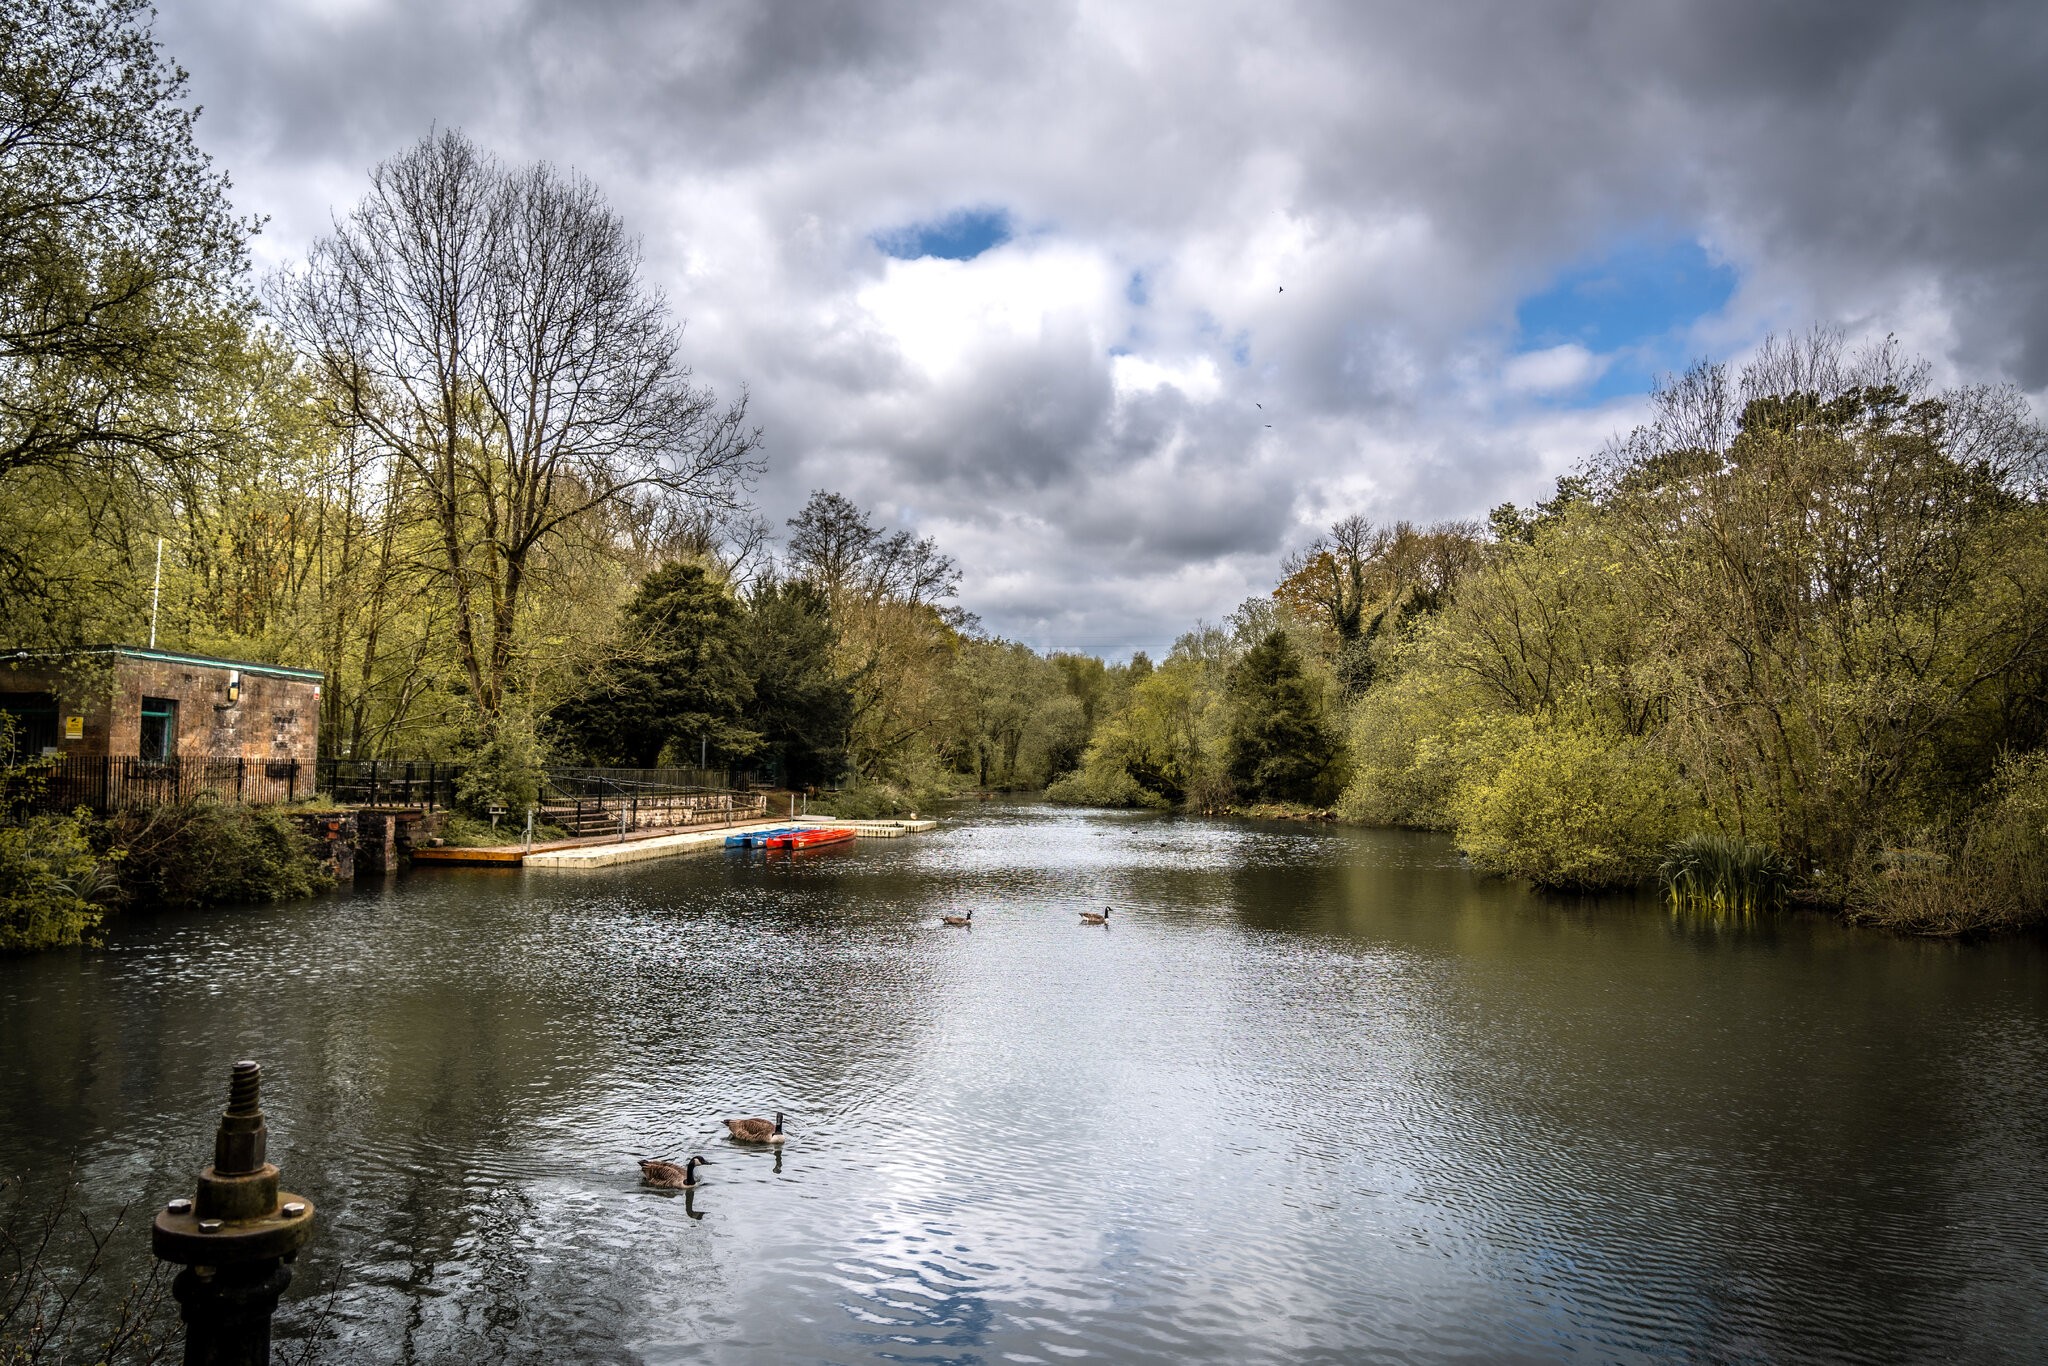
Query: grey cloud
(1411, 168)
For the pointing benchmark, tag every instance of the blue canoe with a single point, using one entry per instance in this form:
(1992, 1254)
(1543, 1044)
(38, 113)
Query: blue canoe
(755, 839)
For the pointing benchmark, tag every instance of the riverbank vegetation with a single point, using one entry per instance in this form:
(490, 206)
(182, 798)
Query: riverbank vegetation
(1792, 634)
(1797, 621)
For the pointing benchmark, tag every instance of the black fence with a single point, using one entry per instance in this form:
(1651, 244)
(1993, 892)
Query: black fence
(389, 782)
(584, 798)
(427, 785)
(111, 783)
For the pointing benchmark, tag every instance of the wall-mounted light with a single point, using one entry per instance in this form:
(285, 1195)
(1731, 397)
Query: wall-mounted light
(234, 686)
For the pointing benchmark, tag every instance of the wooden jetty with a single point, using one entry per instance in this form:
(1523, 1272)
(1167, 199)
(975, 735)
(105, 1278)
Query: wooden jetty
(605, 851)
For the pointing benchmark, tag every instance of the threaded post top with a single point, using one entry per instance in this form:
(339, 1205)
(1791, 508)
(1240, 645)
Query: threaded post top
(244, 1089)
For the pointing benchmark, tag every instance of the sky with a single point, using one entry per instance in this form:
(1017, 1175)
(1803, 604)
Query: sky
(1122, 303)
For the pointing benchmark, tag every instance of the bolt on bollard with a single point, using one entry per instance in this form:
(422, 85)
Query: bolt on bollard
(235, 1240)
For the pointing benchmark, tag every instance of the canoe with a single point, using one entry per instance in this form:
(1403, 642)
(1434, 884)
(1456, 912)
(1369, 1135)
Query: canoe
(810, 837)
(754, 839)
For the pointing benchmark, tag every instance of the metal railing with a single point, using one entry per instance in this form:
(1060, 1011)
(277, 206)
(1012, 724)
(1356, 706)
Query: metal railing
(593, 782)
(589, 801)
(108, 783)
(390, 782)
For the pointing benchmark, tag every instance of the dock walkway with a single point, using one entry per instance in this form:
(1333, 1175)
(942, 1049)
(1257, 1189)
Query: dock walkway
(605, 851)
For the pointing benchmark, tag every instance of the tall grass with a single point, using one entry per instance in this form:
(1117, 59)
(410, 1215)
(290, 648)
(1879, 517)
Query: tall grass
(1722, 876)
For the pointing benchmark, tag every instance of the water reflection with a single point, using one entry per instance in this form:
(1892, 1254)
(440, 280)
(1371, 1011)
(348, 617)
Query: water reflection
(1314, 1094)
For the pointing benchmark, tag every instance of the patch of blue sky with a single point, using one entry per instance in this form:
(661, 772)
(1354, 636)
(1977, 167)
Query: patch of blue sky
(1136, 292)
(1630, 306)
(959, 236)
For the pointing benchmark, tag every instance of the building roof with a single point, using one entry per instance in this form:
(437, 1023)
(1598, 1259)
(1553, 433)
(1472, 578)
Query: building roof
(168, 657)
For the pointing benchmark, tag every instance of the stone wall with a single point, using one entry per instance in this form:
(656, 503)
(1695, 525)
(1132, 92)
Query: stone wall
(335, 833)
(273, 718)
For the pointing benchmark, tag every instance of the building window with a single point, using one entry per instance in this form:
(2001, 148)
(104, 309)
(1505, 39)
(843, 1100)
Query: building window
(159, 729)
(32, 725)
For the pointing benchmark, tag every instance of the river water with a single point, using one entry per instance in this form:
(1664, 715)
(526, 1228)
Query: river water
(1314, 1094)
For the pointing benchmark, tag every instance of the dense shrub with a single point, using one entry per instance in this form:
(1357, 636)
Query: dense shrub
(50, 880)
(1572, 810)
(468, 832)
(877, 801)
(1099, 785)
(501, 767)
(1988, 873)
(206, 852)
(1413, 746)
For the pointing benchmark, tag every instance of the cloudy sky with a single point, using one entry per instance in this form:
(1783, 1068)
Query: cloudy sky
(1120, 303)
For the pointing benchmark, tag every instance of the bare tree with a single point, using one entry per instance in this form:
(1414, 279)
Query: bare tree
(1359, 580)
(490, 329)
(834, 544)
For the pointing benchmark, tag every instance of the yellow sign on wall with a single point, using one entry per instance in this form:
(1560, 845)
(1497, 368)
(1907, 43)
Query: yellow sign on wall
(74, 728)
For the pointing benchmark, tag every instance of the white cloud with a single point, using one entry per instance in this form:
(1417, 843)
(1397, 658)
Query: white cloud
(1553, 370)
(1198, 377)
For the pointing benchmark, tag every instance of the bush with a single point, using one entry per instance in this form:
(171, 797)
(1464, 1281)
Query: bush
(1412, 746)
(1104, 786)
(876, 801)
(501, 767)
(206, 852)
(1571, 810)
(867, 803)
(1989, 873)
(50, 879)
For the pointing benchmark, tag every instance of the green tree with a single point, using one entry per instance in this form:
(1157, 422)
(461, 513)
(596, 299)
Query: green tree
(1279, 748)
(896, 632)
(121, 274)
(802, 705)
(682, 678)
(118, 255)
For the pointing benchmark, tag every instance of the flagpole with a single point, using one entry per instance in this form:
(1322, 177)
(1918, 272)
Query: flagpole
(156, 591)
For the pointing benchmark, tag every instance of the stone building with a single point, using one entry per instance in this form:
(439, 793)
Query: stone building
(123, 702)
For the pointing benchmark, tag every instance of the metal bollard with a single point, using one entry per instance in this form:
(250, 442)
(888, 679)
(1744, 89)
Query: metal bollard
(235, 1240)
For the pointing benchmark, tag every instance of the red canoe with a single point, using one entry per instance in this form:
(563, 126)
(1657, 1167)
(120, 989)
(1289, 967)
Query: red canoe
(810, 839)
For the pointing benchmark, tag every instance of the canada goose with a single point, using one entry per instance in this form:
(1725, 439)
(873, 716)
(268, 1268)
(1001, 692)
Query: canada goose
(1091, 918)
(669, 1177)
(967, 919)
(756, 1130)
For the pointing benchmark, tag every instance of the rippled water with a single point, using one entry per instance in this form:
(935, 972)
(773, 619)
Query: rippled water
(1314, 1095)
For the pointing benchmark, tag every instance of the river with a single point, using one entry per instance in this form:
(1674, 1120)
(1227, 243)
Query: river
(1314, 1094)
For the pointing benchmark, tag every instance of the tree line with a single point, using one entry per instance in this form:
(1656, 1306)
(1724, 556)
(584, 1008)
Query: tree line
(1787, 639)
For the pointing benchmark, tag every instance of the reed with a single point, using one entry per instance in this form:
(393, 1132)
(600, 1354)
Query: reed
(1722, 875)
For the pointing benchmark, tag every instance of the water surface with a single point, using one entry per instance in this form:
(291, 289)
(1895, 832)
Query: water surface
(1314, 1095)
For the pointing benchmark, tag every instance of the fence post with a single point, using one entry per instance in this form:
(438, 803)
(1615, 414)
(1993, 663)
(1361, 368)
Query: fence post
(241, 768)
(291, 782)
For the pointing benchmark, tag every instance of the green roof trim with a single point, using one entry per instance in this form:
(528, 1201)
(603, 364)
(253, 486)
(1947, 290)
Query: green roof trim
(171, 657)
